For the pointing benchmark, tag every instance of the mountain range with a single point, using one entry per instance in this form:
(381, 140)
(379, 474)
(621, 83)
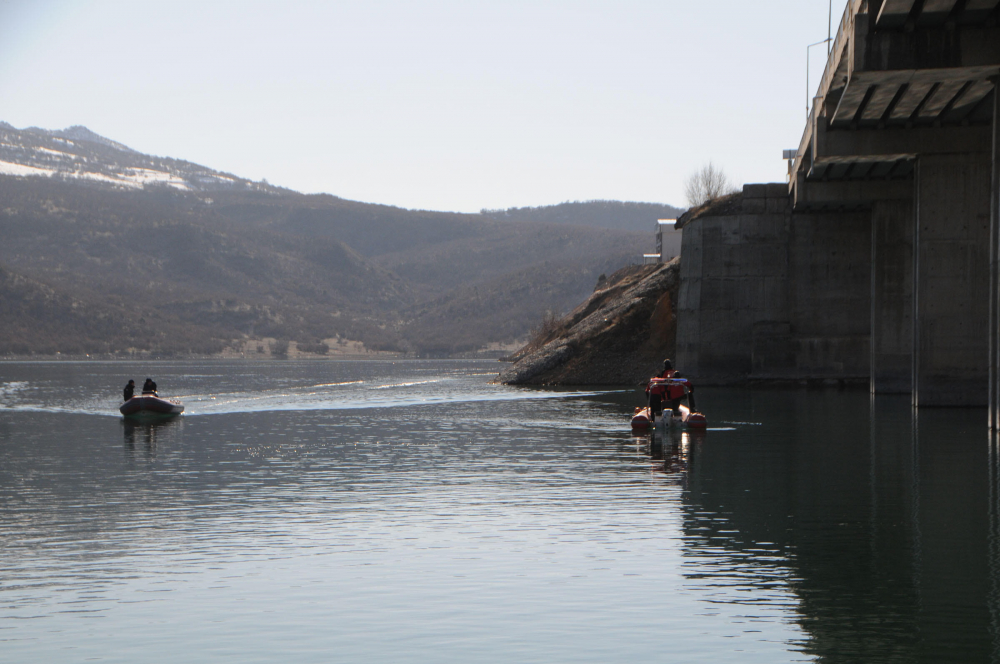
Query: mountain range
(108, 250)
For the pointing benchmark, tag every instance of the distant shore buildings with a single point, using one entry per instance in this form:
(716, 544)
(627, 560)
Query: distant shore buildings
(668, 242)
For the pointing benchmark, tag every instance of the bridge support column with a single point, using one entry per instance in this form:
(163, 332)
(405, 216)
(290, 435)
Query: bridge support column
(892, 297)
(951, 280)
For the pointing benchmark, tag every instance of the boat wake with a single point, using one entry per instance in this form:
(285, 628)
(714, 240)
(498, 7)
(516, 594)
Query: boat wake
(344, 395)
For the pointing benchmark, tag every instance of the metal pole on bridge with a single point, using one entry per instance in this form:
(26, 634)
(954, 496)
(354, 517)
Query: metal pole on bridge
(994, 319)
(825, 41)
(829, 29)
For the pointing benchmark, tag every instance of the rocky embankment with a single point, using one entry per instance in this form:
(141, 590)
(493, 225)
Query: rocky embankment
(619, 336)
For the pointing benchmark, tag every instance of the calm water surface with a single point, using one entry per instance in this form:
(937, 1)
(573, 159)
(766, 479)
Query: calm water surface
(411, 512)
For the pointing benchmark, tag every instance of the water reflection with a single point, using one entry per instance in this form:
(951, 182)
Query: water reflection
(885, 531)
(993, 486)
(144, 435)
(807, 526)
(669, 450)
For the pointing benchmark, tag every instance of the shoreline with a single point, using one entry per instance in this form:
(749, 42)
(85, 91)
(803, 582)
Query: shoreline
(345, 357)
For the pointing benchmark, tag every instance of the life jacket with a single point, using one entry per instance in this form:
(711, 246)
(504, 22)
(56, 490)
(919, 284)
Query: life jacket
(668, 387)
(677, 388)
(657, 386)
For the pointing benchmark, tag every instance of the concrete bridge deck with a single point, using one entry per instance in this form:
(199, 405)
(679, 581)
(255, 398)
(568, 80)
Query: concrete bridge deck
(904, 79)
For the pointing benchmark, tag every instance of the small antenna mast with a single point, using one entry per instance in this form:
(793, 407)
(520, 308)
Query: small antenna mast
(829, 29)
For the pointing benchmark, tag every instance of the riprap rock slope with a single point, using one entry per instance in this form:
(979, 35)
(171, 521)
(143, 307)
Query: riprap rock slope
(619, 336)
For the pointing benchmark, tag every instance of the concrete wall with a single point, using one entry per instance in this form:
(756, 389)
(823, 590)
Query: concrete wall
(898, 293)
(951, 310)
(892, 296)
(830, 255)
(770, 294)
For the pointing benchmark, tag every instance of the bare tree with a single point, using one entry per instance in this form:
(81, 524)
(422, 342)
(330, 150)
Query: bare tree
(706, 185)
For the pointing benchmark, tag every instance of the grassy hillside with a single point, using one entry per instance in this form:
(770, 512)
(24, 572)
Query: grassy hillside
(171, 253)
(36, 318)
(208, 269)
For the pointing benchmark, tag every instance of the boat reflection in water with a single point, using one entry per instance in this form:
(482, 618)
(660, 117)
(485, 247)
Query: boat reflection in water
(670, 448)
(143, 435)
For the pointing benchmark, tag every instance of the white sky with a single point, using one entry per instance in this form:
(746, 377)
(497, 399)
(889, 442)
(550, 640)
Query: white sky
(434, 104)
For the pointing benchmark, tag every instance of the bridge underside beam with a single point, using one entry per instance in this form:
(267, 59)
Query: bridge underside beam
(896, 141)
(880, 167)
(906, 97)
(900, 13)
(849, 194)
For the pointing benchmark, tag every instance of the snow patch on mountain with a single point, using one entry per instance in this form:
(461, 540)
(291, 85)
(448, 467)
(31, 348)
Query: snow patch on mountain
(77, 153)
(7, 168)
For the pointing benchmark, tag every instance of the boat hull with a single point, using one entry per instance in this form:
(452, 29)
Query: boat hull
(692, 419)
(641, 419)
(150, 407)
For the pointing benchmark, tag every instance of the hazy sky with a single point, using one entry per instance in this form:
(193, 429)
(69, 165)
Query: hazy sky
(445, 105)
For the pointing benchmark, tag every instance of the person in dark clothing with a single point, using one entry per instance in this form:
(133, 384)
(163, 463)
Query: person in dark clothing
(655, 395)
(149, 387)
(129, 390)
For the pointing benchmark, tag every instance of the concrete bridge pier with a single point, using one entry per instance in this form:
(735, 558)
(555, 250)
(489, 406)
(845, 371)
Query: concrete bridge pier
(892, 297)
(951, 279)
(910, 98)
(891, 223)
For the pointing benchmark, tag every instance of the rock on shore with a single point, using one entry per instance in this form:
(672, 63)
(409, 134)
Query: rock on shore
(619, 336)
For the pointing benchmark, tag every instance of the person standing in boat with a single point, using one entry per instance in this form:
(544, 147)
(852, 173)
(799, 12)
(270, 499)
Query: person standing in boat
(129, 390)
(149, 387)
(677, 390)
(656, 393)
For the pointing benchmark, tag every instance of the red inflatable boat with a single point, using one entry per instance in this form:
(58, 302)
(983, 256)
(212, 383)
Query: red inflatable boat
(683, 415)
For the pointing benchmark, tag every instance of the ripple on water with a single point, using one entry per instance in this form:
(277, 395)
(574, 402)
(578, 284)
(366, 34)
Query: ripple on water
(414, 512)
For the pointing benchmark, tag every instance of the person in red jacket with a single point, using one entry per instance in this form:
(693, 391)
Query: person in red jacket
(676, 389)
(655, 393)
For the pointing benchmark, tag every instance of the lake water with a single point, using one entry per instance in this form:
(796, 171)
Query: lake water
(412, 512)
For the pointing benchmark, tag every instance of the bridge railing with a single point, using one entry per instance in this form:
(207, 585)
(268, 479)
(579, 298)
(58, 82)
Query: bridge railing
(840, 44)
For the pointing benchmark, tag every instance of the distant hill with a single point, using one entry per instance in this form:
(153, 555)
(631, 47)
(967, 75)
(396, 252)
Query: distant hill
(170, 252)
(38, 319)
(105, 249)
(600, 214)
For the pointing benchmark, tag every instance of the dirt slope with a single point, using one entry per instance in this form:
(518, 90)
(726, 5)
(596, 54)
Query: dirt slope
(619, 336)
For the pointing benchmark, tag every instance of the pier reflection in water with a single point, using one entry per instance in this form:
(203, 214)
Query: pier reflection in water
(378, 512)
(876, 530)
